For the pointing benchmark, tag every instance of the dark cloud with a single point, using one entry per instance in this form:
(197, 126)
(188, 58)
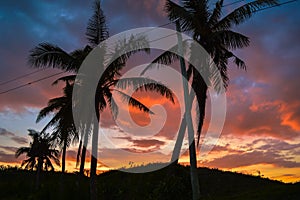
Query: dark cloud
(143, 143)
(276, 145)
(9, 149)
(19, 139)
(12, 136)
(251, 158)
(9, 158)
(4, 132)
(218, 149)
(261, 151)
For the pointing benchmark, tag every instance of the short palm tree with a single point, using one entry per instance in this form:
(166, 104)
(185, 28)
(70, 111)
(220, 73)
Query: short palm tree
(39, 154)
(64, 128)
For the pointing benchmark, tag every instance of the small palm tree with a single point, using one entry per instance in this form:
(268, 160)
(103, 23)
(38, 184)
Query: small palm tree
(39, 154)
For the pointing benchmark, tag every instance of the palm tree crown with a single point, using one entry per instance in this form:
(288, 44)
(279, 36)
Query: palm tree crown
(39, 153)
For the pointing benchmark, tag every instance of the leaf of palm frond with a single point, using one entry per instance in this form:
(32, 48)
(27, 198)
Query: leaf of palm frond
(200, 89)
(48, 55)
(239, 62)
(21, 151)
(230, 39)
(53, 122)
(134, 102)
(113, 105)
(243, 13)
(28, 162)
(55, 157)
(97, 30)
(197, 8)
(48, 164)
(146, 84)
(124, 49)
(176, 12)
(53, 105)
(213, 20)
(167, 57)
(69, 78)
(78, 57)
(33, 134)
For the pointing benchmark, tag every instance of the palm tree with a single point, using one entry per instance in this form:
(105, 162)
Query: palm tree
(62, 121)
(214, 33)
(39, 154)
(48, 55)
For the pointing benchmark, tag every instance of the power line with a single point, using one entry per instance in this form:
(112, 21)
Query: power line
(30, 83)
(20, 77)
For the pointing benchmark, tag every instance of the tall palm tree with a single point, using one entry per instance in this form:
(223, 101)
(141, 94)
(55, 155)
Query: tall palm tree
(48, 55)
(213, 31)
(62, 121)
(39, 154)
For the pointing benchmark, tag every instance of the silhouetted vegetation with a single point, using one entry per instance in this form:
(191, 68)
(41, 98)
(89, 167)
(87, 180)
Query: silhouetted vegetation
(172, 182)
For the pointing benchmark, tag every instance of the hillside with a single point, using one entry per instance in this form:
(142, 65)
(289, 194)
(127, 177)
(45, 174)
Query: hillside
(169, 183)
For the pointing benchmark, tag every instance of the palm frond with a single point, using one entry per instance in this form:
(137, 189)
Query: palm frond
(167, 57)
(242, 13)
(78, 57)
(134, 102)
(230, 39)
(176, 12)
(113, 105)
(48, 55)
(53, 105)
(22, 150)
(214, 18)
(124, 49)
(69, 79)
(145, 84)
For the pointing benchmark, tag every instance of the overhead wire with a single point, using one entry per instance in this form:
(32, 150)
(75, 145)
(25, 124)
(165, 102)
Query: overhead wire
(30, 83)
(20, 77)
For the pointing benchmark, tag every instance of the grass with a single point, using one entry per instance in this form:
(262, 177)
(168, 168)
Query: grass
(172, 182)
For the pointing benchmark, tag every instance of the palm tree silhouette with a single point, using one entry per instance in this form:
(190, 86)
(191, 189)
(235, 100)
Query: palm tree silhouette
(62, 121)
(48, 55)
(39, 154)
(214, 33)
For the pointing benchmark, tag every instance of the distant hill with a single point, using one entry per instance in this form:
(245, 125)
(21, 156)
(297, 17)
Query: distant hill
(172, 182)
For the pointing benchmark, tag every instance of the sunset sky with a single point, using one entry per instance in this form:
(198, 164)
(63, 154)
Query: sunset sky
(262, 127)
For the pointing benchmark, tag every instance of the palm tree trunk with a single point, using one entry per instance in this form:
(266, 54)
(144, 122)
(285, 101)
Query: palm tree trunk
(78, 153)
(63, 159)
(179, 141)
(94, 156)
(192, 149)
(38, 173)
(181, 132)
(83, 154)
